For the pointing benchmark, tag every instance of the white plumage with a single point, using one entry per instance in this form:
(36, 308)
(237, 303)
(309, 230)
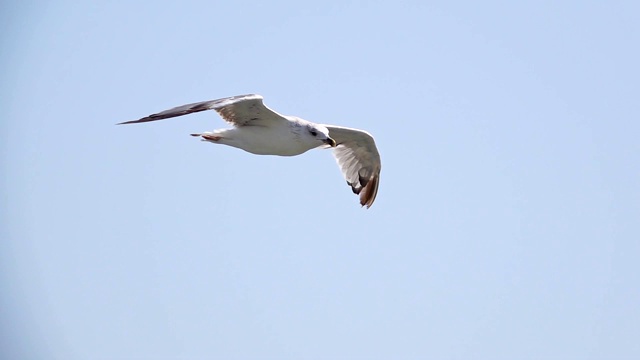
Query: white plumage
(260, 130)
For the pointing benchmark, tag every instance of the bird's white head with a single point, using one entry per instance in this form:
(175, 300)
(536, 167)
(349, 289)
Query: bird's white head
(319, 134)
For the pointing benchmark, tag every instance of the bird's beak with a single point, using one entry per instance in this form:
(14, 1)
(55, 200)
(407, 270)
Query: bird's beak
(330, 142)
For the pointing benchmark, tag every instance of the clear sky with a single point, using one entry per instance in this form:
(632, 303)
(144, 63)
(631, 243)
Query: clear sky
(506, 226)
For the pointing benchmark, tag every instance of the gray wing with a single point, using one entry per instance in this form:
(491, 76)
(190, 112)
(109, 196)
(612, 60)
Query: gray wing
(241, 110)
(359, 160)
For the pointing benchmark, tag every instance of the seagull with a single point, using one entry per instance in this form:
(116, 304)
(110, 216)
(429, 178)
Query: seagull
(262, 131)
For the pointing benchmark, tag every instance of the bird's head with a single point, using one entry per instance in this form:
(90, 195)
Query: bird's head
(320, 134)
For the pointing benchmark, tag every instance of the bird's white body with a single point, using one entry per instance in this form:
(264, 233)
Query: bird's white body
(282, 139)
(262, 131)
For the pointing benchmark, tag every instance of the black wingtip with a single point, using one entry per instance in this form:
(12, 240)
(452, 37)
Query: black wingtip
(126, 122)
(148, 118)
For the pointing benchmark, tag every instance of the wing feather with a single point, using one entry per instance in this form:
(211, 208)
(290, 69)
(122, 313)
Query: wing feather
(358, 158)
(241, 110)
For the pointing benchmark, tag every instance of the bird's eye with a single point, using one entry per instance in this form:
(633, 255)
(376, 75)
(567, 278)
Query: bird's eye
(313, 132)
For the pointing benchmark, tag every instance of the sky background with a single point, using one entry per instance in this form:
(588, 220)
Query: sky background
(506, 225)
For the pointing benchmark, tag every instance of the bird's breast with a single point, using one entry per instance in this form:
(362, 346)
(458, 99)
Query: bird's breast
(269, 141)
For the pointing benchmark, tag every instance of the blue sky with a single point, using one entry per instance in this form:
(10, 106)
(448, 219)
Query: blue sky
(506, 226)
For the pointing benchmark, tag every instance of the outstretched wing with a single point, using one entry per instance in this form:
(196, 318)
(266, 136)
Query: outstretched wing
(241, 110)
(359, 160)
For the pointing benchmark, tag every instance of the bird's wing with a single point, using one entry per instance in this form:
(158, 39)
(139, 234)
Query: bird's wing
(241, 110)
(359, 160)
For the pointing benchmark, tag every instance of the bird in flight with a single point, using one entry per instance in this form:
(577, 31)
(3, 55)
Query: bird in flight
(262, 131)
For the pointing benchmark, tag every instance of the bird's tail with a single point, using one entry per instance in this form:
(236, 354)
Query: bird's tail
(209, 136)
